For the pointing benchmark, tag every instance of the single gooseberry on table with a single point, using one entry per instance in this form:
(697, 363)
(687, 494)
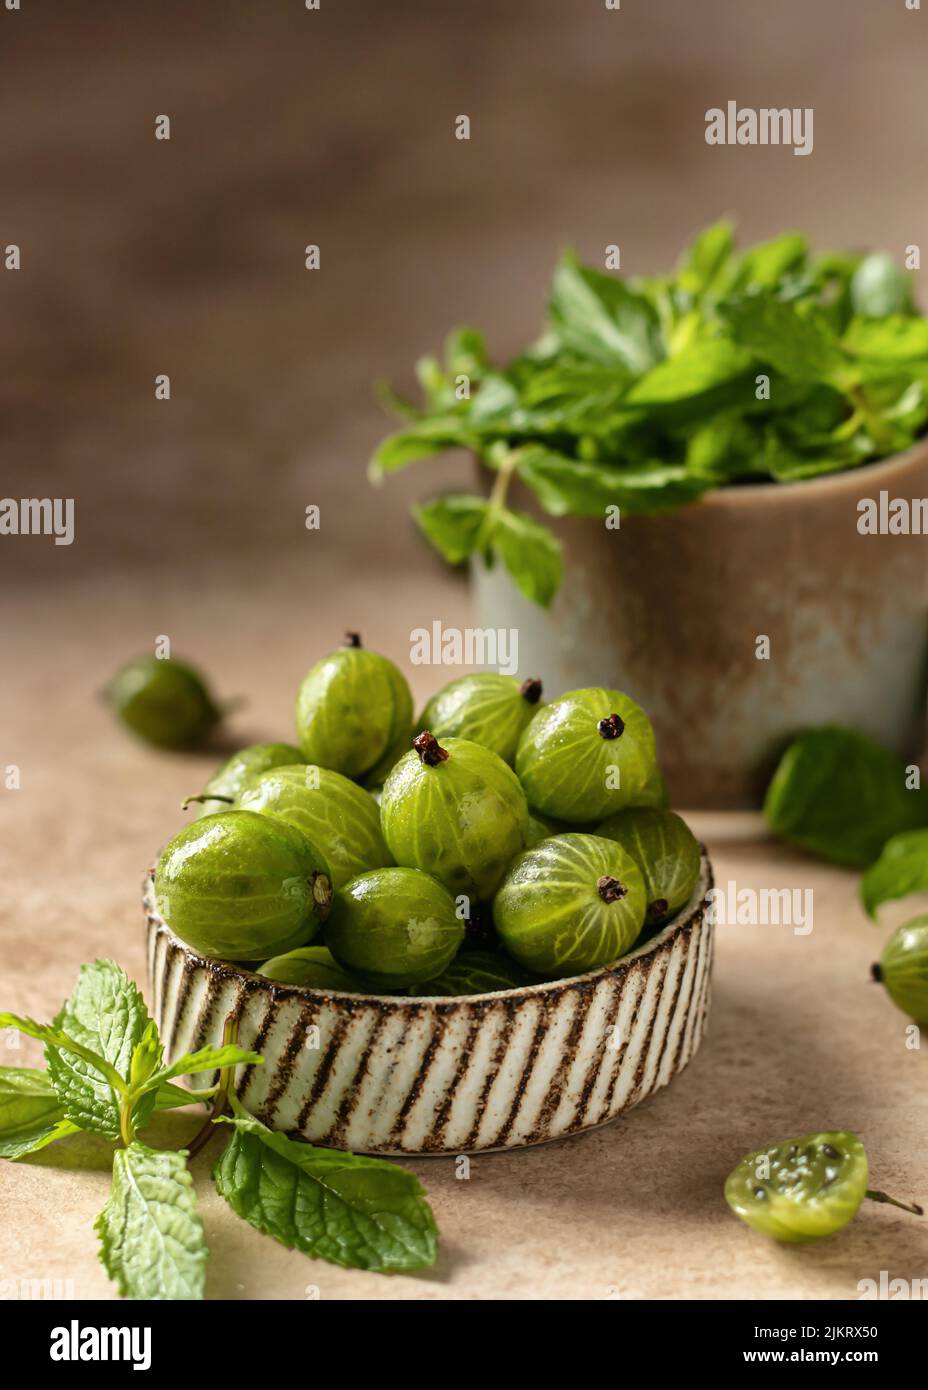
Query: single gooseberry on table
(354, 712)
(488, 709)
(805, 1188)
(227, 781)
(665, 850)
(588, 754)
(164, 702)
(570, 904)
(240, 886)
(395, 927)
(903, 969)
(454, 810)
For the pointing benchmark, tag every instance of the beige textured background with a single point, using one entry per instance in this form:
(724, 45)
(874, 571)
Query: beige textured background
(142, 257)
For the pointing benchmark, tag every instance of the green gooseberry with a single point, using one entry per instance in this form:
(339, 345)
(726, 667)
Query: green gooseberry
(665, 850)
(589, 754)
(314, 967)
(541, 828)
(395, 927)
(488, 709)
(570, 904)
(353, 710)
(456, 811)
(903, 969)
(334, 813)
(227, 781)
(164, 702)
(240, 886)
(475, 972)
(805, 1188)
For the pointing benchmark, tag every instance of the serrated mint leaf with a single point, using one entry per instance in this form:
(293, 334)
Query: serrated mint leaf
(363, 1213)
(800, 346)
(107, 1015)
(841, 796)
(30, 1112)
(207, 1059)
(892, 340)
(599, 317)
(568, 487)
(529, 552)
(452, 524)
(696, 371)
(901, 869)
(151, 1237)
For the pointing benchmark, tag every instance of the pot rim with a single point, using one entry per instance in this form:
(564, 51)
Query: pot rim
(682, 923)
(747, 494)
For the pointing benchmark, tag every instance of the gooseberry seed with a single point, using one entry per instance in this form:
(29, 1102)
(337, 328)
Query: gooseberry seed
(610, 889)
(530, 690)
(611, 727)
(429, 749)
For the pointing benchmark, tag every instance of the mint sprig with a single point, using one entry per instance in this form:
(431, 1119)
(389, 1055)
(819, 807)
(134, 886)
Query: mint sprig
(644, 392)
(106, 1076)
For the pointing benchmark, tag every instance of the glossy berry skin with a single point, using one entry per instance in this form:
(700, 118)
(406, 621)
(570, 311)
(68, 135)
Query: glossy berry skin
(313, 967)
(665, 850)
(488, 709)
(587, 755)
(227, 781)
(475, 972)
(239, 886)
(903, 969)
(802, 1189)
(337, 816)
(164, 702)
(570, 904)
(461, 820)
(395, 927)
(353, 710)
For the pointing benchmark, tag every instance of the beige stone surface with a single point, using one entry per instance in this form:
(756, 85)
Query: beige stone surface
(186, 258)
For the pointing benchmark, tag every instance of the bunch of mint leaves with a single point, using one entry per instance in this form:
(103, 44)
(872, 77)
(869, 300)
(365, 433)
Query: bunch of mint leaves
(105, 1075)
(645, 392)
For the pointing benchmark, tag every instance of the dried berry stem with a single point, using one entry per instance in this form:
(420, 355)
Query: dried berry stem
(429, 749)
(203, 797)
(530, 690)
(611, 727)
(352, 639)
(610, 889)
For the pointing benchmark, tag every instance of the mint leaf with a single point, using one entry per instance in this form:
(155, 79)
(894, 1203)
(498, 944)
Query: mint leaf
(706, 259)
(695, 371)
(901, 869)
(30, 1112)
(890, 340)
(529, 552)
(418, 441)
(567, 487)
(452, 524)
(206, 1059)
(765, 265)
(599, 317)
(151, 1237)
(363, 1213)
(841, 796)
(799, 346)
(107, 1015)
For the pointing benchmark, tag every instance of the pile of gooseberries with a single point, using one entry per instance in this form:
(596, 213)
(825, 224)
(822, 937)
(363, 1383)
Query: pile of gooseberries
(497, 841)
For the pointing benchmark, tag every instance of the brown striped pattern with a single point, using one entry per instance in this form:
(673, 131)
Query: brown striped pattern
(407, 1076)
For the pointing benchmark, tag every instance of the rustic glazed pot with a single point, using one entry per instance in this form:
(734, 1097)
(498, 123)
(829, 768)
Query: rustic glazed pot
(669, 608)
(398, 1075)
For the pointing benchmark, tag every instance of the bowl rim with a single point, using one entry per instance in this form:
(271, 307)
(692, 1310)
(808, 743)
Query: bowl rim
(681, 924)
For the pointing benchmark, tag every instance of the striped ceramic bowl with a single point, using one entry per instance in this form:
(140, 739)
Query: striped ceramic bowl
(388, 1075)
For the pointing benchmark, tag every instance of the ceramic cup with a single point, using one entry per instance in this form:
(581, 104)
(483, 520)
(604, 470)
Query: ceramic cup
(670, 609)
